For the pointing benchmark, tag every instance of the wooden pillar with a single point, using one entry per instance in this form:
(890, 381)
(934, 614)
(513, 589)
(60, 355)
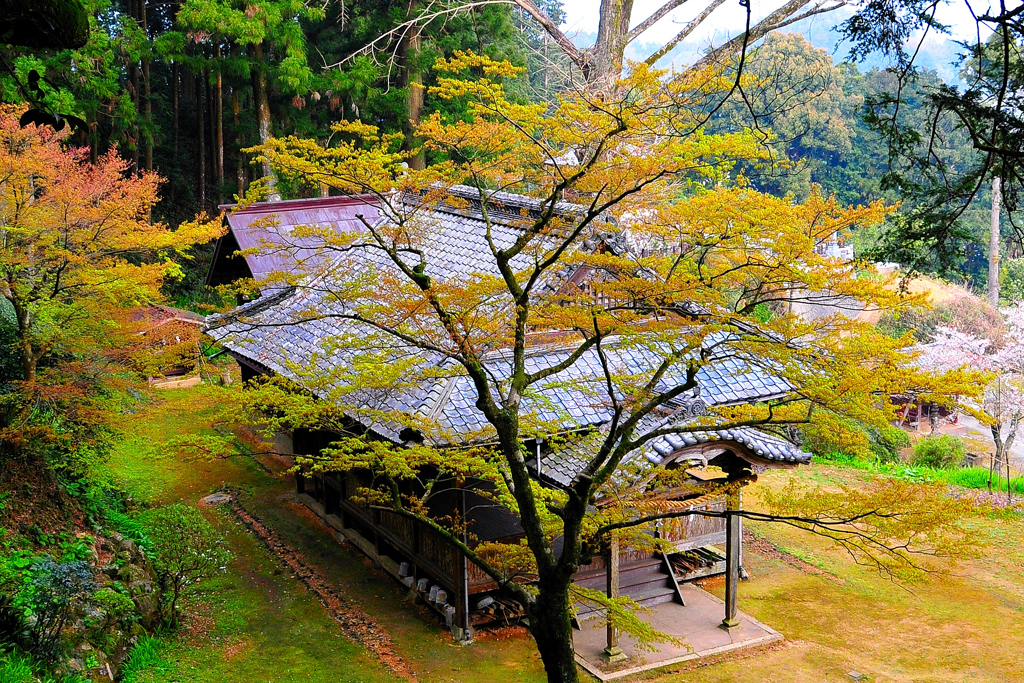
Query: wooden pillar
(462, 607)
(732, 561)
(743, 571)
(613, 652)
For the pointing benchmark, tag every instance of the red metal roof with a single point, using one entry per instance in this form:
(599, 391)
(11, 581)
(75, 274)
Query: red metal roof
(279, 249)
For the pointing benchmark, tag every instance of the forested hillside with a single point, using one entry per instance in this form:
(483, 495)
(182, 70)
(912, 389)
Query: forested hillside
(184, 88)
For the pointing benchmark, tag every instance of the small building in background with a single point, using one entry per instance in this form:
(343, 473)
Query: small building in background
(172, 345)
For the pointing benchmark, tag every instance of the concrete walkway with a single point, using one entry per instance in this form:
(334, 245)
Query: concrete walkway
(696, 625)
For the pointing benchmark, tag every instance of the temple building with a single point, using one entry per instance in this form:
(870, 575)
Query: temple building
(290, 327)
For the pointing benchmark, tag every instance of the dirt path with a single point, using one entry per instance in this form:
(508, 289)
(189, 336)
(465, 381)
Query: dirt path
(356, 625)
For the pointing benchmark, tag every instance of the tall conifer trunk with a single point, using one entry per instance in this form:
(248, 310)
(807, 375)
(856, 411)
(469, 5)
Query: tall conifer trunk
(201, 133)
(211, 131)
(239, 164)
(993, 245)
(175, 86)
(412, 81)
(147, 101)
(133, 77)
(219, 107)
(261, 102)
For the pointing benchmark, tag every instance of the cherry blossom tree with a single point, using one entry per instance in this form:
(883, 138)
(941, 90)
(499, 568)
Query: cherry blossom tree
(1001, 405)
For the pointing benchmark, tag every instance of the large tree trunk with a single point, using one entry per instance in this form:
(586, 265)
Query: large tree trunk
(211, 131)
(607, 54)
(133, 77)
(261, 101)
(412, 81)
(239, 165)
(993, 246)
(551, 628)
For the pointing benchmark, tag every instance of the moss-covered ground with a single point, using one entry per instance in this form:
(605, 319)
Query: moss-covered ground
(257, 623)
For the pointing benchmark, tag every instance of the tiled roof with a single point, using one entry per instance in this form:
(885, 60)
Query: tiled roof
(289, 333)
(562, 465)
(267, 228)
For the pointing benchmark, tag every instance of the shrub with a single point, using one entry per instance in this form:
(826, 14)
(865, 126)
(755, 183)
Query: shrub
(944, 452)
(886, 442)
(187, 549)
(53, 589)
(118, 607)
(14, 629)
(1011, 280)
(964, 313)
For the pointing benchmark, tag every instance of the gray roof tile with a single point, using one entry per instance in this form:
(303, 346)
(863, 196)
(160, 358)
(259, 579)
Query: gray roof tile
(296, 327)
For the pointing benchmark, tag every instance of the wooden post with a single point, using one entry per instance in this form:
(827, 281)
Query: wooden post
(732, 561)
(739, 506)
(613, 652)
(462, 608)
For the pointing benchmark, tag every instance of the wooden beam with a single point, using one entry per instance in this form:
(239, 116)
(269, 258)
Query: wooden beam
(675, 582)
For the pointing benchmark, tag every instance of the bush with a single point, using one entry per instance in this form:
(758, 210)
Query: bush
(118, 607)
(187, 550)
(1011, 280)
(53, 589)
(887, 441)
(944, 452)
(964, 313)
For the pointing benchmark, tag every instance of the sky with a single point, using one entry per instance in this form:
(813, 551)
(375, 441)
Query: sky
(582, 17)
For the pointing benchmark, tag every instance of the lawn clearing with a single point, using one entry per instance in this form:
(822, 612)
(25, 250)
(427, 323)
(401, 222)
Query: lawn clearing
(263, 625)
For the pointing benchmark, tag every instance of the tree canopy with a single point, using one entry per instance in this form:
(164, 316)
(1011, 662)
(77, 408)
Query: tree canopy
(716, 272)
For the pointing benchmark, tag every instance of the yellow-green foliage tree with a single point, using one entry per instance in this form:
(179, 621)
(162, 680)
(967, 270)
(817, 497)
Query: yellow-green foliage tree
(717, 269)
(77, 253)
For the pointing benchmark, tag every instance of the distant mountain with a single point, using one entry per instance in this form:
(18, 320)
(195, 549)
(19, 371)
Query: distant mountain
(938, 53)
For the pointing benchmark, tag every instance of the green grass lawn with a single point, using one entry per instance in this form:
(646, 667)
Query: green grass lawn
(258, 624)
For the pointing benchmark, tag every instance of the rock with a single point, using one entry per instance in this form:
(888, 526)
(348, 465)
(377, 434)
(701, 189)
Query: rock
(132, 573)
(218, 498)
(485, 603)
(146, 606)
(128, 545)
(857, 676)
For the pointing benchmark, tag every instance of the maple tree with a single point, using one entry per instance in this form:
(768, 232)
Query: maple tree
(715, 270)
(78, 252)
